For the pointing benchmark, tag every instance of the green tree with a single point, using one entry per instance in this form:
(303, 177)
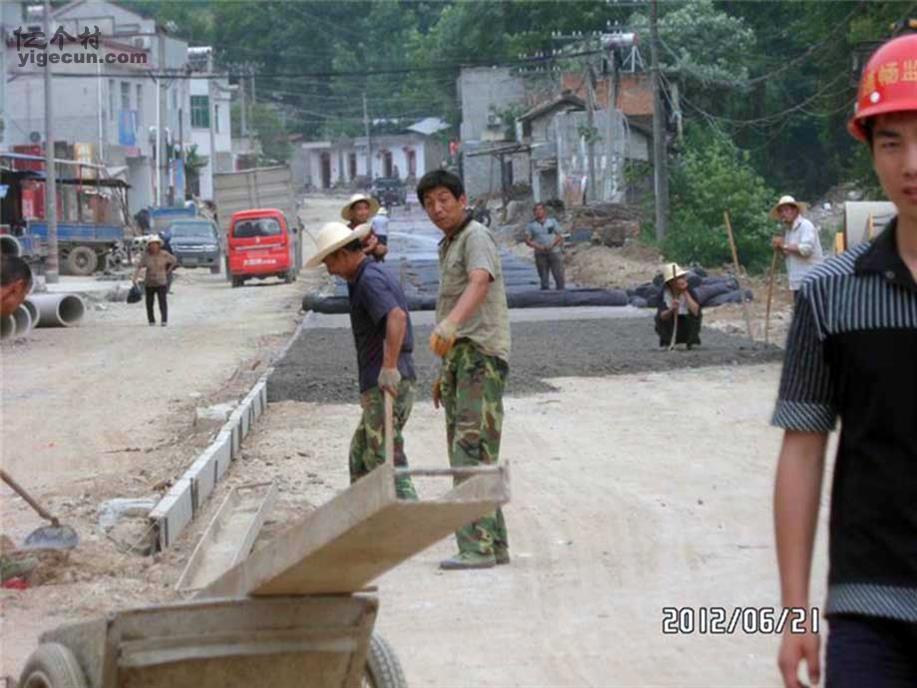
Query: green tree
(713, 175)
(274, 138)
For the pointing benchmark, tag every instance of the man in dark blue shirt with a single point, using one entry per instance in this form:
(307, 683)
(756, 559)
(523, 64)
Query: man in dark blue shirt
(384, 341)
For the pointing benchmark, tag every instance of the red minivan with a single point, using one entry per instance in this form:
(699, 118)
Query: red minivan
(261, 245)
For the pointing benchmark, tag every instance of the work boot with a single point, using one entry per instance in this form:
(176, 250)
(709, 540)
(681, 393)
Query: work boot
(501, 555)
(468, 560)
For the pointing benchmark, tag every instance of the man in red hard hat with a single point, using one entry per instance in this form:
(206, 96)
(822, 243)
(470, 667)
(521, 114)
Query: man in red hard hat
(852, 354)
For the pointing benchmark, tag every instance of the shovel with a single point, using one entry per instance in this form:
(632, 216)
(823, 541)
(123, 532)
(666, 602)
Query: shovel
(54, 536)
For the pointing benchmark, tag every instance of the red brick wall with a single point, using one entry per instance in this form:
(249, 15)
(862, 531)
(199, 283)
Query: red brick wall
(635, 94)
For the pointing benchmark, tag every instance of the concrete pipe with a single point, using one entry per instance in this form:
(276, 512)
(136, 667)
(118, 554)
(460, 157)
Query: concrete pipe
(7, 327)
(33, 311)
(10, 245)
(59, 310)
(23, 320)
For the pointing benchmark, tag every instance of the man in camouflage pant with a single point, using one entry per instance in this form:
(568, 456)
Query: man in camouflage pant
(472, 337)
(384, 339)
(367, 448)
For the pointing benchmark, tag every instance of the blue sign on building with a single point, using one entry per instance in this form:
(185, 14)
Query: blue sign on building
(127, 127)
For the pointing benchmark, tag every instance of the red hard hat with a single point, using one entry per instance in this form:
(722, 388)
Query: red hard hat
(888, 83)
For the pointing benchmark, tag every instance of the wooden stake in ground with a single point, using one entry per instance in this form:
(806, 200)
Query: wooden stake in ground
(735, 262)
(770, 297)
(674, 325)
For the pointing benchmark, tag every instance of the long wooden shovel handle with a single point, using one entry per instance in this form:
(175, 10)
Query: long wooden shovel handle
(389, 428)
(8, 479)
(770, 298)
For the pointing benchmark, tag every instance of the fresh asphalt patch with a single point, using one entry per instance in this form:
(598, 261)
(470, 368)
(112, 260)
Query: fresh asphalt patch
(321, 364)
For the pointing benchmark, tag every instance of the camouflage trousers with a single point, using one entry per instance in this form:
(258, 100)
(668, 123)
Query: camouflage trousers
(367, 448)
(472, 393)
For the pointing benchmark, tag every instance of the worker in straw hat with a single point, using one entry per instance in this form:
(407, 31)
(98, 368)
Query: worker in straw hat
(678, 316)
(799, 244)
(158, 264)
(850, 357)
(384, 340)
(359, 210)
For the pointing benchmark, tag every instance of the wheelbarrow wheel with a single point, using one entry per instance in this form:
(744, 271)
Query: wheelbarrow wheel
(383, 670)
(52, 666)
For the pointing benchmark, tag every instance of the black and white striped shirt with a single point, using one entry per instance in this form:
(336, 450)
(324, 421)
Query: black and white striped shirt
(852, 354)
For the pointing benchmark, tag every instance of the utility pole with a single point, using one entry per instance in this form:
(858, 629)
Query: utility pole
(243, 106)
(160, 115)
(52, 273)
(99, 111)
(611, 81)
(590, 125)
(211, 106)
(369, 143)
(660, 172)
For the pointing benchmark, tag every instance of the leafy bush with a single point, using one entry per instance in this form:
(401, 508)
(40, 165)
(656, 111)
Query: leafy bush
(710, 176)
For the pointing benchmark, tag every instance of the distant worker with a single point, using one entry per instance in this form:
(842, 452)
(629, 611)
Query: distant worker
(167, 247)
(142, 218)
(472, 337)
(380, 226)
(543, 235)
(358, 211)
(799, 244)
(158, 263)
(15, 282)
(384, 339)
(678, 317)
(850, 357)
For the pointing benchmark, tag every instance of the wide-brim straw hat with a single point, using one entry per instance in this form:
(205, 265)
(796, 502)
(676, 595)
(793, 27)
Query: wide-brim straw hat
(672, 271)
(154, 240)
(356, 198)
(331, 237)
(787, 200)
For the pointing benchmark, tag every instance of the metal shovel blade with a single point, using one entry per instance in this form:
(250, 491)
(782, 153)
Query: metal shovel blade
(52, 537)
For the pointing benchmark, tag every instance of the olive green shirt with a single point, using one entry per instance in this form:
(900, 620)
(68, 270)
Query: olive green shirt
(473, 248)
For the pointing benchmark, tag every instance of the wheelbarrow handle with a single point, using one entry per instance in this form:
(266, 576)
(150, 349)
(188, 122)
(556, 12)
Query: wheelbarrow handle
(457, 472)
(8, 479)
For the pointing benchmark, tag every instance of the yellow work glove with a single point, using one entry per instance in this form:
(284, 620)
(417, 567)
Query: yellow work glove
(443, 337)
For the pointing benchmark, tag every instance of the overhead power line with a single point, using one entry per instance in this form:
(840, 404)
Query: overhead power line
(337, 74)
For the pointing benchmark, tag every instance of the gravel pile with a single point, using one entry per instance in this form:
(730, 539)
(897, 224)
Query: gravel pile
(321, 365)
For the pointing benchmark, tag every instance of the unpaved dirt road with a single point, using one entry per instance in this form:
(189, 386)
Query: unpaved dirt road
(108, 409)
(629, 493)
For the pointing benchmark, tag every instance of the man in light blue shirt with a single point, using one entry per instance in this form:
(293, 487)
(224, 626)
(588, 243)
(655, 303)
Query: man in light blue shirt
(543, 235)
(380, 226)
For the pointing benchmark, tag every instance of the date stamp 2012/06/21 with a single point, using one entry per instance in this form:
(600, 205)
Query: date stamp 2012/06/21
(748, 620)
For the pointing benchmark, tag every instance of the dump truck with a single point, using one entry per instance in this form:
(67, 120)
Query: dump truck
(266, 188)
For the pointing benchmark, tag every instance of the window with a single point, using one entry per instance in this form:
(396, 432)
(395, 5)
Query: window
(216, 118)
(200, 112)
(125, 95)
(111, 99)
(264, 227)
(139, 104)
(352, 165)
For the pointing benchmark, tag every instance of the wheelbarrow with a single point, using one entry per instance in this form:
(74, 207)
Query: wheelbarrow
(296, 612)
